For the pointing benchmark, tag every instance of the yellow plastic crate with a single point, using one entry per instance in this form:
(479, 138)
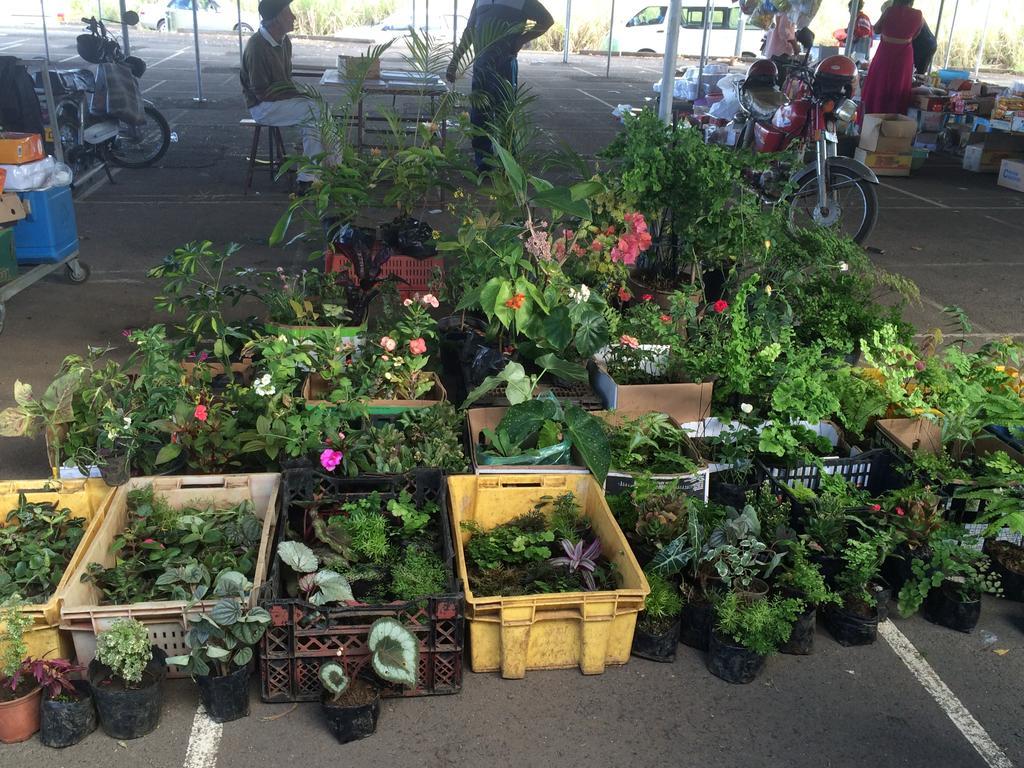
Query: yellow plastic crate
(82, 613)
(85, 498)
(555, 631)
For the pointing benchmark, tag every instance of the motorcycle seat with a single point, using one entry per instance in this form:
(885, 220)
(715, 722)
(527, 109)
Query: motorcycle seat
(763, 100)
(67, 81)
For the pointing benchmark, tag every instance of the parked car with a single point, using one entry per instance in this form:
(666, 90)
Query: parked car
(399, 25)
(644, 32)
(212, 15)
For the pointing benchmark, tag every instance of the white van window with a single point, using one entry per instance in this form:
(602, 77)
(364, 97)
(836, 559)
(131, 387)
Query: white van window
(693, 18)
(652, 14)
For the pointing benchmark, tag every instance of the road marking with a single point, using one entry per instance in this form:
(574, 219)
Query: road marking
(585, 72)
(1004, 223)
(956, 209)
(101, 179)
(15, 44)
(595, 98)
(172, 56)
(941, 309)
(69, 58)
(154, 85)
(203, 741)
(934, 264)
(913, 195)
(976, 736)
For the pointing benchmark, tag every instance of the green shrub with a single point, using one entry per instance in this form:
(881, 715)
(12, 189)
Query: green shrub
(126, 649)
(420, 573)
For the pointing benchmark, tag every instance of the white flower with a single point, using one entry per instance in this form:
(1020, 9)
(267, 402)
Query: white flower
(430, 300)
(407, 303)
(746, 407)
(580, 296)
(111, 434)
(844, 267)
(263, 386)
(127, 422)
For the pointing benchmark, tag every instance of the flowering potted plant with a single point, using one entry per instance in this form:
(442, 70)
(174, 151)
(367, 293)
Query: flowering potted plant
(303, 304)
(604, 255)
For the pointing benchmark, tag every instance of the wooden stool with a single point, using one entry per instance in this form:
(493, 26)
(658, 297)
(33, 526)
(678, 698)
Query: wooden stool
(275, 152)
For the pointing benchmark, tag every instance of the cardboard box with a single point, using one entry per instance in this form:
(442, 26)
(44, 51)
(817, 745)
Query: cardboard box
(981, 106)
(11, 208)
(928, 141)
(1017, 126)
(979, 159)
(352, 68)
(928, 121)
(1011, 175)
(683, 402)
(887, 133)
(931, 103)
(887, 163)
(18, 148)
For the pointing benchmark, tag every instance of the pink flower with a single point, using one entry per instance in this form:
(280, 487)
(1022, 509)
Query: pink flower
(666, 319)
(597, 246)
(430, 300)
(876, 507)
(920, 365)
(200, 412)
(624, 295)
(385, 358)
(629, 341)
(720, 306)
(388, 343)
(407, 303)
(341, 435)
(900, 512)
(417, 346)
(330, 459)
(647, 297)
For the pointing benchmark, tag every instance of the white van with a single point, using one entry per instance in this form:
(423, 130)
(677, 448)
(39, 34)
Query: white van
(644, 32)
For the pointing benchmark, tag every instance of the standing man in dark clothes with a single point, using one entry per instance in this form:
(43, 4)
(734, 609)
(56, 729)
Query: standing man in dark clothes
(498, 29)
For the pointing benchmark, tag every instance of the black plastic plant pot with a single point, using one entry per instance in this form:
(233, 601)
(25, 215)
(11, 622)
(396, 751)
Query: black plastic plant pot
(943, 606)
(1011, 580)
(351, 723)
(801, 639)
(128, 713)
(65, 723)
(897, 569)
(849, 628)
(730, 494)
(225, 697)
(882, 593)
(731, 662)
(656, 647)
(695, 626)
(115, 468)
(829, 565)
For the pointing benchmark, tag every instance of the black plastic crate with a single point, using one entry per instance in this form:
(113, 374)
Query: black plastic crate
(695, 484)
(301, 637)
(873, 470)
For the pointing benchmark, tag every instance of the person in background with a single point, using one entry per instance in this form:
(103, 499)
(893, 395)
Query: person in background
(271, 95)
(498, 29)
(863, 33)
(890, 77)
(781, 38)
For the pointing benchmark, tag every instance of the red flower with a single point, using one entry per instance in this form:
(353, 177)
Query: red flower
(876, 507)
(666, 319)
(597, 246)
(516, 301)
(720, 306)
(200, 412)
(647, 297)
(900, 512)
(417, 346)
(624, 295)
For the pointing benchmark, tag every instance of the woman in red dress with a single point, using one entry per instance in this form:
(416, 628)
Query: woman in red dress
(887, 88)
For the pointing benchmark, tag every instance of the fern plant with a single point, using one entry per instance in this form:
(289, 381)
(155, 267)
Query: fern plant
(760, 626)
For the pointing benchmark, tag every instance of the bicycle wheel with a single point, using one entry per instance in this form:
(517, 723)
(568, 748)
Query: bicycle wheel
(853, 203)
(141, 146)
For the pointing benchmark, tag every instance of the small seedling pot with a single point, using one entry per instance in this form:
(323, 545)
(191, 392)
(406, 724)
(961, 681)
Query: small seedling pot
(943, 606)
(350, 722)
(225, 697)
(656, 647)
(65, 723)
(732, 662)
(128, 713)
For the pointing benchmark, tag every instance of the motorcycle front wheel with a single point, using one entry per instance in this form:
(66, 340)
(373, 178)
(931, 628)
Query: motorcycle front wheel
(141, 146)
(856, 204)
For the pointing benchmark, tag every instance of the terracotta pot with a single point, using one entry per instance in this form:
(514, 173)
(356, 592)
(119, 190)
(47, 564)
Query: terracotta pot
(19, 719)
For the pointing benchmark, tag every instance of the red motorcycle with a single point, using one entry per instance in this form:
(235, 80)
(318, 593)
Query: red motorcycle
(832, 191)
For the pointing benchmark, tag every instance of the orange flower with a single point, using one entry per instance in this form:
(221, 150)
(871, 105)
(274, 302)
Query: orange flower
(516, 301)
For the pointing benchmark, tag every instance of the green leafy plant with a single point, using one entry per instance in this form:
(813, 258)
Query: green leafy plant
(662, 606)
(318, 586)
(963, 569)
(36, 545)
(519, 541)
(222, 640)
(419, 573)
(804, 578)
(862, 562)
(394, 657)
(650, 442)
(760, 626)
(14, 650)
(125, 649)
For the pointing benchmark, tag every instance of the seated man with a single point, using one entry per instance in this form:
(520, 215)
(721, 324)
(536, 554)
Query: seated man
(270, 93)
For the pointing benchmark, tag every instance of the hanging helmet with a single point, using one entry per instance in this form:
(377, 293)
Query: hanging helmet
(834, 76)
(90, 48)
(763, 72)
(136, 65)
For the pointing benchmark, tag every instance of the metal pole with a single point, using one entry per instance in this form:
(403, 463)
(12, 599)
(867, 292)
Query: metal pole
(668, 62)
(952, 27)
(568, 18)
(704, 49)
(239, 5)
(426, 17)
(99, 9)
(851, 28)
(195, 37)
(125, 44)
(938, 21)
(611, 30)
(455, 25)
(740, 28)
(981, 42)
(46, 39)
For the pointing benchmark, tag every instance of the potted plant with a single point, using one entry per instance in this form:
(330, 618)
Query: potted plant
(127, 677)
(352, 707)
(746, 633)
(221, 646)
(802, 580)
(657, 628)
(305, 304)
(652, 443)
(67, 713)
(854, 621)
(915, 519)
(19, 692)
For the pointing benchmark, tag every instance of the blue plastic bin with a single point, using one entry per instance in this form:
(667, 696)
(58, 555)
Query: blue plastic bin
(49, 233)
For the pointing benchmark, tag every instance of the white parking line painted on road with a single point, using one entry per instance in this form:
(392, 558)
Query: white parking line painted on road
(172, 56)
(203, 742)
(69, 58)
(15, 44)
(585, 72)
(595, 98)
(944, 697)
(154, 85)
(913, 195)
(1004, 223)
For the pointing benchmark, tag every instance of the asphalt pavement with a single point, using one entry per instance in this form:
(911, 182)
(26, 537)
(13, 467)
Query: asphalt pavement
(955, 233)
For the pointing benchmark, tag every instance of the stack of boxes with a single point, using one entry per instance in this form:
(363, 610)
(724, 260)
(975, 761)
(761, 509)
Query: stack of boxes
(886, 144)
(15, 149)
